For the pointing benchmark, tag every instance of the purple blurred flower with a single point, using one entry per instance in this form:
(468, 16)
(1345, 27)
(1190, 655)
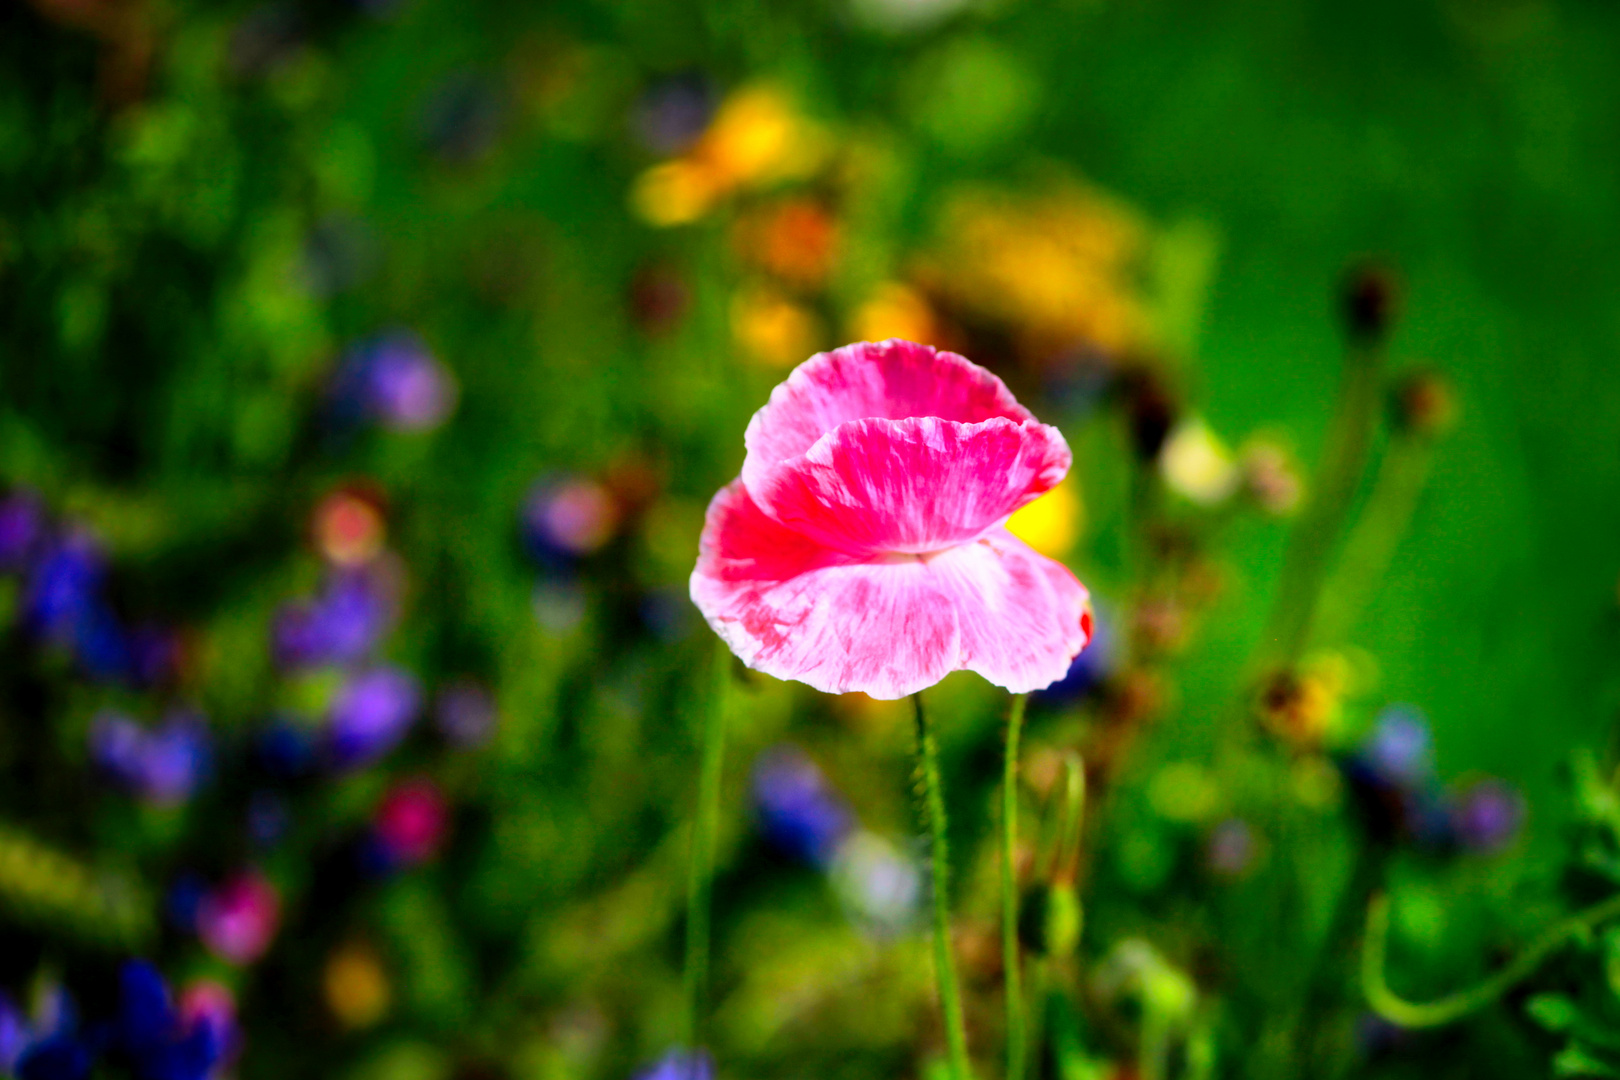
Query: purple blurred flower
(1487, 816)
(371, 715)
(680, 1065)
(354, 611)
(22, 529)
(395, 380)
(465, 714)
(798, 811)
(164, 765)
(672, 112)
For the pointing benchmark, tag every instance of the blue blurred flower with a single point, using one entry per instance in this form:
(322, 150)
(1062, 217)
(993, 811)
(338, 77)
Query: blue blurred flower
(1400, 749)
(62, 586)
(150, 1035)
(13, 1033)
(371, 715)
(164, 765)
(61, 1056)
(680, 1065)
(798, 811)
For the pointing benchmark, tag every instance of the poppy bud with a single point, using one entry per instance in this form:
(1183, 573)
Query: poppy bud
(1424, 404)
(1370, 303)
(1051, 919)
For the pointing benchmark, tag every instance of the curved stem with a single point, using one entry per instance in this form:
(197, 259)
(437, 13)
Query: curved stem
(700, 873)
(1386, 1003)
(950, 992)
(1009, 892)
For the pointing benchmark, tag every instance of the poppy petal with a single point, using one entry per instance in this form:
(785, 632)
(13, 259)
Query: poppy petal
(1023, 617)
(796, 610)
(890, 380)
(915, 486)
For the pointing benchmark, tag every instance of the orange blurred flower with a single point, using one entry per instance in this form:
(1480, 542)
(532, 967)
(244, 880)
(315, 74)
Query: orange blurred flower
(795, 240)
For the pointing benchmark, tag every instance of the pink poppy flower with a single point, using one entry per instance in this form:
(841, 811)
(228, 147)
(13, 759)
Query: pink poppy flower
(864, 546)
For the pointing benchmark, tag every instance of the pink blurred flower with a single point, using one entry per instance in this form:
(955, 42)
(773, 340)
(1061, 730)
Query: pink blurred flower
(411, 822)
(238, 919)
(864, 546)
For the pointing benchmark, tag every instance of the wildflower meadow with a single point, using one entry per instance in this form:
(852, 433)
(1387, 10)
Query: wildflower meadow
(827, 540)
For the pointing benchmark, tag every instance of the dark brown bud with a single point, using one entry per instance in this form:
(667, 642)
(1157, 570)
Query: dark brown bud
(1150, 410)
(1371, 302)
(1425, 404)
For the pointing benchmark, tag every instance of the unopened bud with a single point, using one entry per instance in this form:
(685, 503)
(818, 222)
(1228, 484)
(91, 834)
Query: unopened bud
(1370, 303)
(1051, 919)
(1425, 404)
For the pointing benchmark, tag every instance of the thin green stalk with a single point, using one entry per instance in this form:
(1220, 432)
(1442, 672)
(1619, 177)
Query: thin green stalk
(1328, 505)
(1410, 1014)
(705, 825)
(1370, 547)
(950, 992)
(1016, 1050)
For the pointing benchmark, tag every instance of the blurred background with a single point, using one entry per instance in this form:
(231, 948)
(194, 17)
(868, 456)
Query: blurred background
(366, 367)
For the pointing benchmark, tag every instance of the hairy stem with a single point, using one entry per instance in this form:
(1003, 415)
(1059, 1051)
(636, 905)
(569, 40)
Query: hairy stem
(933, 799)
(1016, 1046)
(700, 874)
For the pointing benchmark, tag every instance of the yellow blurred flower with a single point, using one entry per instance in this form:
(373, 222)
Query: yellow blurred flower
(1051, 524)
(756, 138)
(896, 311)
(1305, 707)
(1196, 464)
(772, 329)
(674, 193)
(356, 986)
(1057, 269)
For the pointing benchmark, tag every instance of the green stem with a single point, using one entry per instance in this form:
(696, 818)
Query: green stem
(1328, 505)
(1370, 547)
(1386, 1003)
(950, 993)
(700, 873)
(1009, 892)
